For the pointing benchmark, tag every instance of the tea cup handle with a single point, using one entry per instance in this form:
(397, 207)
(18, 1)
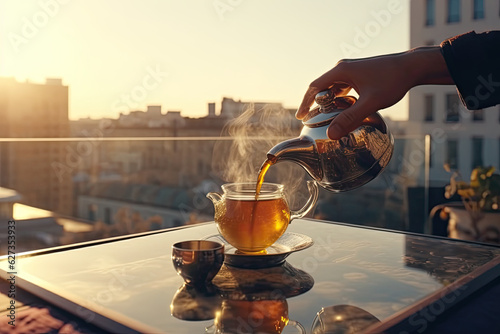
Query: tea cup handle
(297, 326)
(211, 329)
(313, 197)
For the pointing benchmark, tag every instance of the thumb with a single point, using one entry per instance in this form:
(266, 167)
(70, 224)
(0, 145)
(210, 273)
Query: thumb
(349, 119)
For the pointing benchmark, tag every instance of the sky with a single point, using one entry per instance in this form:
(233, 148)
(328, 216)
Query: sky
(122, 55)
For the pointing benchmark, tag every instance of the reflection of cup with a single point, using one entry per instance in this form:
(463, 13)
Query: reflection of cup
(197, 261)
(191, 303)
(250, 223)
(256, 316)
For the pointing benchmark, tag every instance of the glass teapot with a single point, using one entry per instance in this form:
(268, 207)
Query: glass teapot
(337, 165)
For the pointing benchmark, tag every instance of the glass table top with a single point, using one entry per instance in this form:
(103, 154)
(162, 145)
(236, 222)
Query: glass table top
(132, 282)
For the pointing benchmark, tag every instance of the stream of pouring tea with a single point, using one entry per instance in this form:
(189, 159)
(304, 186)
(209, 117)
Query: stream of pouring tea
(260, 179)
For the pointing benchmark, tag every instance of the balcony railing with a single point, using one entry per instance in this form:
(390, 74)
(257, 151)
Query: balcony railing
(69, 190)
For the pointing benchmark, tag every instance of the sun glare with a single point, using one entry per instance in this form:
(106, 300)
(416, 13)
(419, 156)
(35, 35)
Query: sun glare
(244, 50)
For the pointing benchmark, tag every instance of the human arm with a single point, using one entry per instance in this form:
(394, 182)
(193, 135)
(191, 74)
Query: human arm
(470, 61)
(473, 61)
(379, 81)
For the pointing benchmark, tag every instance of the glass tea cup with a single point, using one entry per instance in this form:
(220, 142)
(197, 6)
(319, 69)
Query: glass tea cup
(252, 223)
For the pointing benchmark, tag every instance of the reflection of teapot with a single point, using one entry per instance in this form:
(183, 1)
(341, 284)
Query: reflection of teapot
(254, 316)
(337, 165)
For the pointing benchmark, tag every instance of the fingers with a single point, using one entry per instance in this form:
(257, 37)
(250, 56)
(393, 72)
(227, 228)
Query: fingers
(338, 88)
(349, 119)
(307, 102)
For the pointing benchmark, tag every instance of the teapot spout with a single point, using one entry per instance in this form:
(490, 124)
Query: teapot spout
(300, 150)
(214, 197)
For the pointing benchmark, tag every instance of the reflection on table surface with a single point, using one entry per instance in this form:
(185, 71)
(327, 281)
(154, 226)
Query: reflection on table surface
(378, 272)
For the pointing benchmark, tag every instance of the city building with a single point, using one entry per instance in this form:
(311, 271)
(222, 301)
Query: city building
(8, 198)
(151, 118)
(460, 138)
(231, 109)
(31, 165)
(168, 152)
(154, 206)
(34, 228)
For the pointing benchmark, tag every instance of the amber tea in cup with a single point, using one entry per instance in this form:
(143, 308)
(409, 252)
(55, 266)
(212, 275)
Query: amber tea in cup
(253, 225)
(250, 223)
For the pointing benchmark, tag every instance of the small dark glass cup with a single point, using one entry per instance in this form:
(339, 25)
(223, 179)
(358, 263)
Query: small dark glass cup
(197, 261)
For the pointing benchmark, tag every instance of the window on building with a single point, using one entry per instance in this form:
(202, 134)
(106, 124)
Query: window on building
(134, 167)
(452, 105)
(429, 108)
(107, 215)
(478, 115)
(91, 212)
(430, 12)
(477, 152)
(201, 167)
(453, 11)
(478, 10)
(452, 153)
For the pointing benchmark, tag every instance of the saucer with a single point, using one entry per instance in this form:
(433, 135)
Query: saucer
(282, 281)
(288, 243)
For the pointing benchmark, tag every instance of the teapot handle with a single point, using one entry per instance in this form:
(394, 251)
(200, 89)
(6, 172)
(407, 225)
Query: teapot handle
(313, 197)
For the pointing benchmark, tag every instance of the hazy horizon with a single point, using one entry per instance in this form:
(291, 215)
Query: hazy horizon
(120, 56)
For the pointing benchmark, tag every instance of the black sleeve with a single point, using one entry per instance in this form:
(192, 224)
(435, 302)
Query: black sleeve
(474, 64)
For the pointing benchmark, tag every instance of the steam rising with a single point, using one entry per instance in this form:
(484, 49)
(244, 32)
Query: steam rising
(253, 134)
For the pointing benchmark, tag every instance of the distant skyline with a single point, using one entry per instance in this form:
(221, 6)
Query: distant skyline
(118, 56)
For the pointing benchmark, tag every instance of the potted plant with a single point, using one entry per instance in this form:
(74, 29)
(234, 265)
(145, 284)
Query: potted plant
(478, 218)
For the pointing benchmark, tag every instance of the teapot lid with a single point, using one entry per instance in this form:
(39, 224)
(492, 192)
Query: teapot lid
(328, 106)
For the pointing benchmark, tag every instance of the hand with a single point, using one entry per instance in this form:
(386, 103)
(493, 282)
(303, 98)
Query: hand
(379, 81)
